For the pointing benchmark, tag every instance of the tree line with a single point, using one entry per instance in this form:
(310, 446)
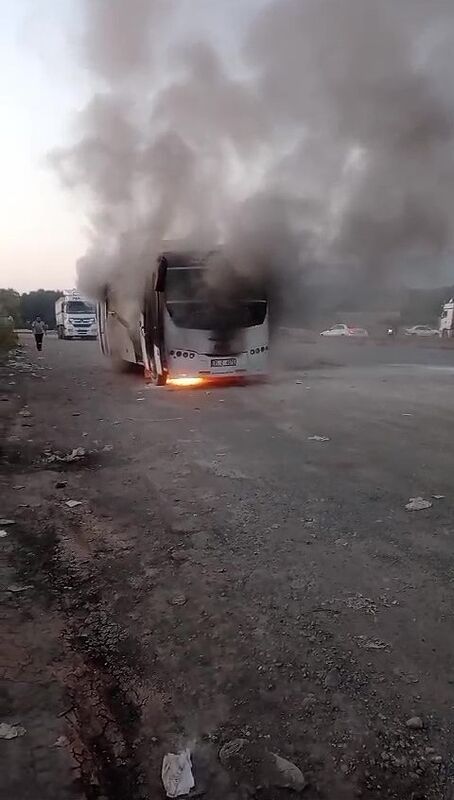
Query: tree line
(24, 308)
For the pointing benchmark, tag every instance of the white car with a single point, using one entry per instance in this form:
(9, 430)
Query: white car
(345, 330)
(421, 330)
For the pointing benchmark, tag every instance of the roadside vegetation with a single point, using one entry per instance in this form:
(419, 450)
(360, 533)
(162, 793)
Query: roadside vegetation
(8, 337)
(23, 308)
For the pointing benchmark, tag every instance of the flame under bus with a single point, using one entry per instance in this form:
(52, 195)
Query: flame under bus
(188, 330)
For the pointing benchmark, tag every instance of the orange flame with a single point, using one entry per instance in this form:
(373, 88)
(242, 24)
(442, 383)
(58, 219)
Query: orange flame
(185, 381)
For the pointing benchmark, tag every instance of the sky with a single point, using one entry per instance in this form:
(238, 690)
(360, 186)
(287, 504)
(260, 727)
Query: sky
(41, 230)
(43, 227)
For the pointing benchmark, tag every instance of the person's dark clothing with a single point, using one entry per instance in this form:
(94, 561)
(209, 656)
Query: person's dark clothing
(39, 329)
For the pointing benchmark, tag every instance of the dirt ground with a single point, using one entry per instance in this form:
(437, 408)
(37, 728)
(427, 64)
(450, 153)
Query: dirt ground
(227, 576)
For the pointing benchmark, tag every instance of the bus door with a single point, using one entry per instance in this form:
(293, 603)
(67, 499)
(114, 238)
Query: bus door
(153, 324)
(102, 326)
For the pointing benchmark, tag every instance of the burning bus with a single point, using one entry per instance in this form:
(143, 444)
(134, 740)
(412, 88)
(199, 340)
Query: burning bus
(194, 324)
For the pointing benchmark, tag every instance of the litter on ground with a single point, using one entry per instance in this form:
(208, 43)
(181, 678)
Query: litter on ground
(176, 774)
(371, 643)
(178, 600)
(11, 731)
(75, 455)
(418, 504)
(73, 503)
(7, 522)
(318, 439)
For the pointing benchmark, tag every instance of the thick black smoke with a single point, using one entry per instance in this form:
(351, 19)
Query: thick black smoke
(332, 144)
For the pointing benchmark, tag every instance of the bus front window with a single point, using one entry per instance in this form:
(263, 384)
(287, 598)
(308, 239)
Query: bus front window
(191, 303)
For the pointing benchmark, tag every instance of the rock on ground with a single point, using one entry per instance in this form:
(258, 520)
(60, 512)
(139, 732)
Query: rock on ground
(256, 766)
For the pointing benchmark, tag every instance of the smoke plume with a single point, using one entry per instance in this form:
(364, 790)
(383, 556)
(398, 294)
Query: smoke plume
(330, 143)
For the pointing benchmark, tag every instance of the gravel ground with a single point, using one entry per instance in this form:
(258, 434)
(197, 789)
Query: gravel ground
(226, 575)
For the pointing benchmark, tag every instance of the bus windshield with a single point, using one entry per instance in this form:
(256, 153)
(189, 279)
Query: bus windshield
(79, 307)
(192, 303)
(185, 284)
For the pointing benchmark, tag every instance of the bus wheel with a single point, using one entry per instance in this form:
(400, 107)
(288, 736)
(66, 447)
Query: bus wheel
(154, 377)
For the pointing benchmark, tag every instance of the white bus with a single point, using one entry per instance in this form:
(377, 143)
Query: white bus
(187, 332)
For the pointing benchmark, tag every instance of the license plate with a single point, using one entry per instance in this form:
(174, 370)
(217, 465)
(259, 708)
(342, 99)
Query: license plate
(223, 362)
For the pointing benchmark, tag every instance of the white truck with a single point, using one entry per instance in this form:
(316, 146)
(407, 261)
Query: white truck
(75, 317)
(446, 327)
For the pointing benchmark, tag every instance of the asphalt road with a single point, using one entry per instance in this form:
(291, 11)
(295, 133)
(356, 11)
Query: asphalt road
(225, 575)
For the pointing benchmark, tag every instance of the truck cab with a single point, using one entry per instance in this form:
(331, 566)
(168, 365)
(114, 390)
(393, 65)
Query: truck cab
(446, 326)
(75, 317)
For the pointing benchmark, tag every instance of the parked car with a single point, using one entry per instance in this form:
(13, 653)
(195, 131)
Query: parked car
(421, 330)
(345, 330)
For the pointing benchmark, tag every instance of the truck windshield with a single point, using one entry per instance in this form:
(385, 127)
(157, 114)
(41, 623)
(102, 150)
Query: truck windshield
(192, 303)
(79, 307)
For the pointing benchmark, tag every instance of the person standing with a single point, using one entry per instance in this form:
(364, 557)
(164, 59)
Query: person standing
(39, 329)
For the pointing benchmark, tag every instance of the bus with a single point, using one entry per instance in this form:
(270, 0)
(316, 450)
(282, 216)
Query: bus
(188, 329)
